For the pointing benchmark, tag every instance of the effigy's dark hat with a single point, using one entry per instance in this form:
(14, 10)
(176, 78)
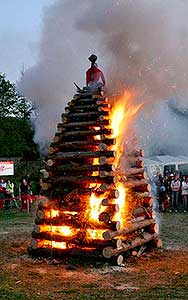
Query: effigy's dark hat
(92, 58)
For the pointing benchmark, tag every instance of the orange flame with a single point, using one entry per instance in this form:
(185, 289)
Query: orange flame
(121, 115)
(52, 213)
(95, 234)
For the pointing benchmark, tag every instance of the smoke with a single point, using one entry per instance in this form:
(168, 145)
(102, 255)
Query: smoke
(140, 44)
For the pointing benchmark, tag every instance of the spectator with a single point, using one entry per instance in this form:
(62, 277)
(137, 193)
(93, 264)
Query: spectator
(175, 186)
(25, 192)
(162, 196)
(10, 192)
(2, 191)
(184, 193)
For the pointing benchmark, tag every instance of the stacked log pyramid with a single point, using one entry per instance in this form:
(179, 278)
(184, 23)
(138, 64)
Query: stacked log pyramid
(63, 223)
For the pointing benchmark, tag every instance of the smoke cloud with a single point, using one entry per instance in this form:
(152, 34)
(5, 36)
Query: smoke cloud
(140, 44)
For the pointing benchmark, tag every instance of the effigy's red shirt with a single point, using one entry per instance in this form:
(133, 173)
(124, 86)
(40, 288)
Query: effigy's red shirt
(94, 74)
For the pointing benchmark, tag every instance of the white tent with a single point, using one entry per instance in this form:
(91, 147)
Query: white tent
(156, 164)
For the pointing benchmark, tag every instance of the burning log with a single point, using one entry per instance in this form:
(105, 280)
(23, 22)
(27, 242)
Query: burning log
(107, 215)
(109, 251)
(102, 189)
(107, 235)
(55, 237)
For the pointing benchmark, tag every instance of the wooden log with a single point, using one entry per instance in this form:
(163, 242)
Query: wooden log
(84, 133)
(137, 185)
(112, 207)
(103, 160)
(153, 228)
(86, 95)
(92, 102)
(82, 179)
(133, 171)
(137, 176)
(106, 201)
(112, 195)
(87, 108)
(76, 248)
(107, 215)
(107, 235)
(120, 260)
(144, 197)
(133, 183)
(135, 153)
(73, 220)
(125, 247)
(102, 189)
(74, 167)
(84, 116)
(141, 210)
(148, 202)
(51, 236)
(82, 154)
(142, 188)
(86, 124)
(77, 144)
(136, 163)
(87, 101)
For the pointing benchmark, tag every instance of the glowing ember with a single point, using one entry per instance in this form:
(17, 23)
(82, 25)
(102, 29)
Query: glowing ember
(62, 230)
(95, 207)
(52, 213)
(95, 234)
(121, 201)
(73, 213)
(53, 244)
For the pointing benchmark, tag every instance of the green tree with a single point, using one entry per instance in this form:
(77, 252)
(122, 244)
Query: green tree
(16, 132)
(11, 104)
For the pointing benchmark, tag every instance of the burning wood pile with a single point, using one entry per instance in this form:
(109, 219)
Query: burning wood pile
(90, 203)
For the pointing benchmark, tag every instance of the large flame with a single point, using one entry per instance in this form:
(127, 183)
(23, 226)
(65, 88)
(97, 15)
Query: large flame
(121, 115)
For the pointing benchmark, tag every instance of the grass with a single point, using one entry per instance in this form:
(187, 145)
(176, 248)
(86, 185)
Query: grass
(160, 275)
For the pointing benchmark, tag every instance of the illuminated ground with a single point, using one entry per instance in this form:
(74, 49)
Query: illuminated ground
(162, 274)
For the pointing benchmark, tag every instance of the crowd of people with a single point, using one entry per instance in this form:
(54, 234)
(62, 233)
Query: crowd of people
(171, 192)
(7, 194)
